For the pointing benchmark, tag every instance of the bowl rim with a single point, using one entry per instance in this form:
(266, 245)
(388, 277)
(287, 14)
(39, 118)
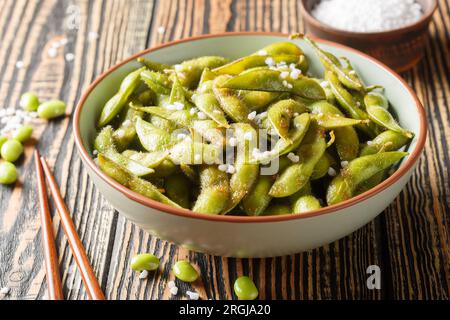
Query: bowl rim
(364, 35)
(186, 213)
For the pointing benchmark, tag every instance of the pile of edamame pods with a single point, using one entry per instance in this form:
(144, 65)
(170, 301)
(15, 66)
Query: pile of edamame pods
(169, 131)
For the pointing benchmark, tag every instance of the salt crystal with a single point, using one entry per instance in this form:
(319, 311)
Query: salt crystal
(232, 142)
(284, 74)
(201, 115)
(178, 67)
(171, 284)
(252, 115)
(143, 275)
(192, 295)
(262, 52)
(222, 167)
(331, 172)
(344, 164)
(295, 74)
(70, 56)
(92, 35)
(293, 157)
(19, 64)
(231, 169)
(5, 291)
(161, 29)
(52, 52)
(270, 62)
(368, 15)
(173, 291)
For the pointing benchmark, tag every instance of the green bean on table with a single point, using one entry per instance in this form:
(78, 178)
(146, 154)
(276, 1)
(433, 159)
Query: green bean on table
(257, 135)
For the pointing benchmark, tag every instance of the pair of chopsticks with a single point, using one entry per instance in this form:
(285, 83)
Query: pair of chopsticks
(51, 257)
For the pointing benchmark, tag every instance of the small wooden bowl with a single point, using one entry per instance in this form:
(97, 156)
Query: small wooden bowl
(401, 49)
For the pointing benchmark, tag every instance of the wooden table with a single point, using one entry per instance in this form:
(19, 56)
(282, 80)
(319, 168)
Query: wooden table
(409, 241)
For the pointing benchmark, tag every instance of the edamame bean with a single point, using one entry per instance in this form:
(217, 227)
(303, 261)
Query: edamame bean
(51, 109)
(214, 191)
(184, 271)
(29, 101)
(245, 288)
(24, 133)
(144, 261)
(8, 173)
(11, 150)
(305, 204)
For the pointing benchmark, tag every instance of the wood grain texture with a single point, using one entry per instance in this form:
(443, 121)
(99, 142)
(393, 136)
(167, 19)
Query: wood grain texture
(409, 241)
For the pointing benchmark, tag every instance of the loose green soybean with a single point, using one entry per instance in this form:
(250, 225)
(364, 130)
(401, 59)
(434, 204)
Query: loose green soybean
(24, 133)
(144, 261)
(184, 271)
(11, 150)
(245, 288)
(51, 109)
(8, 173)
(29, 101)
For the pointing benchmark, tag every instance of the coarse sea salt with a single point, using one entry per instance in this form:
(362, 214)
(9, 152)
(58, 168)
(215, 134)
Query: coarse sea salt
(368, 15)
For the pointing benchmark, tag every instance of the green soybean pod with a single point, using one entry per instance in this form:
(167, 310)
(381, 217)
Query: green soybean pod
(257, 200)
(8, 173)
(277, 209)
(144, 261)
(184, 271)
(245, 288)
(24, 133)
(29, 101)
(11, 150)
(51, 109)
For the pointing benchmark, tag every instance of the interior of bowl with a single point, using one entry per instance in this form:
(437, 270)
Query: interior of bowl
(234, 46)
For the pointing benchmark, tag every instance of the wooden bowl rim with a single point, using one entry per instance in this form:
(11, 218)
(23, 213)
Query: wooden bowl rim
(364, 35)
(186, 213)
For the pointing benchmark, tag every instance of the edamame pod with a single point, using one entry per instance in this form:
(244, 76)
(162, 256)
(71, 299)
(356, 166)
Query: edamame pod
(159, 83)
(271, 80)
(343, 186)
(118, 101)
(208, 103)
(151, 137)
(230, 103)
(189, 71)
(258, 199)
(132, 182)
(280, 115)
(153, 65)
(178, 188)
(214, 193)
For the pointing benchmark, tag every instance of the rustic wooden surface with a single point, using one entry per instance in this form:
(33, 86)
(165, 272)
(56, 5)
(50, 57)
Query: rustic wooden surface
(410, 241)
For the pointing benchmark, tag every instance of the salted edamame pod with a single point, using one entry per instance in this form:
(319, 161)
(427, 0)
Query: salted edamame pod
(271, 80)
(377, 112)
(215, 191)
(118, 101)
(280, 115)
(343, 186)
(298, 174)
(132, 182)
(189, 72)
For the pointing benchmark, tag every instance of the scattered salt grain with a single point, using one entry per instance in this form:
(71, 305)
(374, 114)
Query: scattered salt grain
(324, 84)
(197, 158)
(63, 41)
(270, 62)
(173, 291)
(95, 152)
(284, 74)
(143, 275)
(92, 36)
(192, 295)
(296, 114)
(262, 52)
(222, 167)
(178, 67)
(181, 136)
(171, 284)
(289, 86)
(70, 56)
(52, 52)
(193, 111)
(178, 105)
(161, 29)
(295, 74)
(120, 133)
(231, 169)
(201, 115)
(19, 64)
(331, 172)
(368, 15)
(344, 164)
(252, 115)
(369, 143)
(352, 72)
(127, 123)
(293, 157)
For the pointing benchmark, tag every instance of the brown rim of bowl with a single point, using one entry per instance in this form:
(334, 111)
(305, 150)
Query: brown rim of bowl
(330, 29)
(412, 158)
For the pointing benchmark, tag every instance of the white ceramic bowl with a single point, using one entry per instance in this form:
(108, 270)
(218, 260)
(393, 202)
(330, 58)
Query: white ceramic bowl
(250, 236)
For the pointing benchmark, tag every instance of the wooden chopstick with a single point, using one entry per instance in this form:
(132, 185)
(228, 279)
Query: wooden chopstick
(87, 274)
(48, 240)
